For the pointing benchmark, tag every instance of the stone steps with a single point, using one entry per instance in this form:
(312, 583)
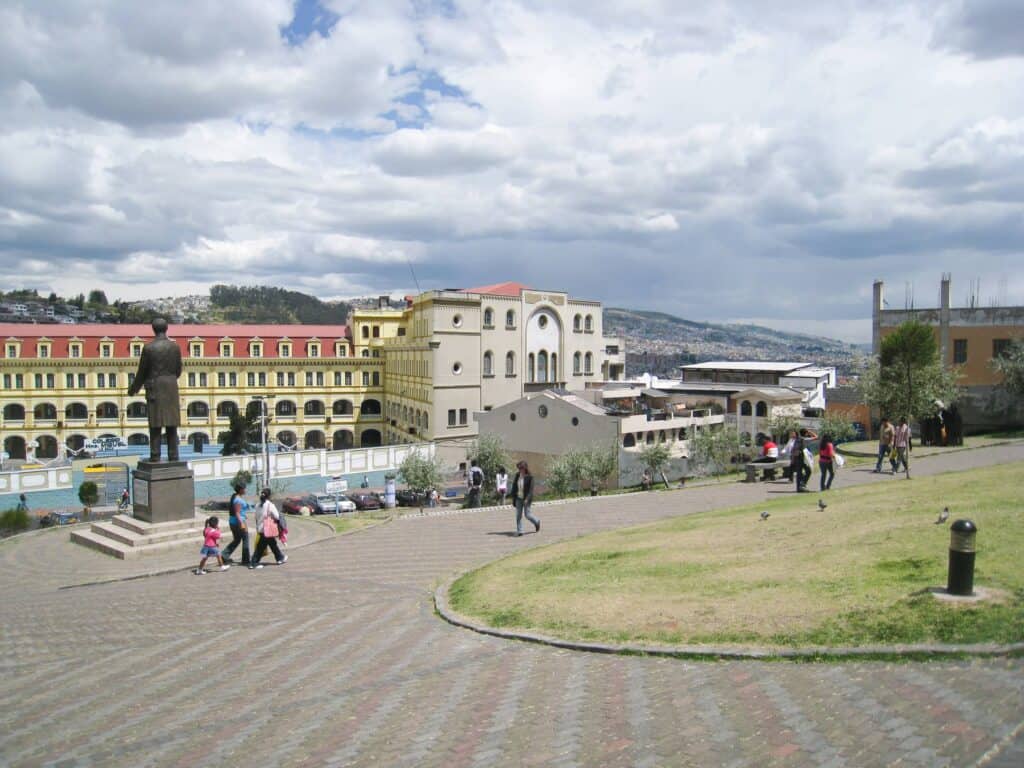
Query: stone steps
(126, 538)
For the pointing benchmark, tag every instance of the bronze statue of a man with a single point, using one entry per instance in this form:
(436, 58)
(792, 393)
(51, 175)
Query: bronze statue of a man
(159, 369)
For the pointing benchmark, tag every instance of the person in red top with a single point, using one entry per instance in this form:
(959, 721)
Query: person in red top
(826, 461)
(211, 534)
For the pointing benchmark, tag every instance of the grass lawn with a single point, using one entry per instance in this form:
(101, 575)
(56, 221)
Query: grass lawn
(342, 523)
(856, 573)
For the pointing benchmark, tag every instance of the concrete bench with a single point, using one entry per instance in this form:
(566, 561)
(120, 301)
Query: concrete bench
(768, 468)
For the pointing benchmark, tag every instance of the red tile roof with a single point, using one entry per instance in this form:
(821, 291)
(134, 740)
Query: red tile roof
(121, 335)
(499, 289)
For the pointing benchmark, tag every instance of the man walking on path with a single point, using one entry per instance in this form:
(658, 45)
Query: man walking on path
(885, 437)
(901, 440)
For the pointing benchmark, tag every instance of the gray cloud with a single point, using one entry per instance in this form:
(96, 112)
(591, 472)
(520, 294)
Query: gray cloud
(984, 29)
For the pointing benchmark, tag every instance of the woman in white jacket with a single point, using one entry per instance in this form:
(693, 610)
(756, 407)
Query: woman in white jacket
(268, 524)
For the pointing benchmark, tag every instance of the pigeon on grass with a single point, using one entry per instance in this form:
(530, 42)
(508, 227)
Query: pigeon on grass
(943, 516)
(822, 505)
(765, 516)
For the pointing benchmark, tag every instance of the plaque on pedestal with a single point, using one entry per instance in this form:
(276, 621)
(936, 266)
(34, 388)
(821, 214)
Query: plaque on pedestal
(163, 491)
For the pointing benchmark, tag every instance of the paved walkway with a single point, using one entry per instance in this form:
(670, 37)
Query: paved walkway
(337, 659)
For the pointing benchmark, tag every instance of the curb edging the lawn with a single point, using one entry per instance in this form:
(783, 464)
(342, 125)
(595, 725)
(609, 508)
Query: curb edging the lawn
(713, 653)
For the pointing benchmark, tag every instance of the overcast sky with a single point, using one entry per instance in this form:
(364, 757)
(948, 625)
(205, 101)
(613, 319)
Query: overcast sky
(738, 161)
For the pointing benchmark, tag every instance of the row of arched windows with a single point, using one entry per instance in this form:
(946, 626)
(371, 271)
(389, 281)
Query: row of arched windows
(542, 367)
(510, 318)
(747, 410)
(412, 416)
(583, 324)
(194, 410)
(631, 440)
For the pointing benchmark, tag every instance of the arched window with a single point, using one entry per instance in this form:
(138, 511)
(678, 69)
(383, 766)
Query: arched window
(628, 441)
(201, 437)
(370, 408)
(287, 438)
(577, 323)
(106, 411)
(554, 367)
(365, 332)
(510, 319)
(762, 408)
(542, 366)
(136, 411)
(588, 323)
(426, 420)
(588, 363)
(745, 409)
(369, 438)
(197, 410)
(138, 438)
(45, 412)
(75, 411)
(342, 408)
(285, 408)
(649, 437)
(14, 412)
(343, 439)
(313, 408)
(47, 447)
(75, 442)
(510, 364)
(530, 367)
(488, 363)
(14, 445)
(577, 360)
(226, 409)
(488, 317)
(365, 353)
(314, 440)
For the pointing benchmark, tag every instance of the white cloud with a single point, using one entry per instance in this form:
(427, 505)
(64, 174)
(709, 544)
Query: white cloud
(748, 159)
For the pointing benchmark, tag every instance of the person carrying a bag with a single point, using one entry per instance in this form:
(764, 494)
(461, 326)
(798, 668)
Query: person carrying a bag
(268, 523)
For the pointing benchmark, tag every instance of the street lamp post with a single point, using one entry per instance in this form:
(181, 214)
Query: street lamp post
(265, 443)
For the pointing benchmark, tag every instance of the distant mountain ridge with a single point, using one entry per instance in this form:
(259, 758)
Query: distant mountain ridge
(657, 342)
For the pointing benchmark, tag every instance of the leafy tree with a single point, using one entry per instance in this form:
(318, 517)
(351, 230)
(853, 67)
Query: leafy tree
(490, 454)
(599, 464)
(421, 473)
(98, 297)
(52, 298)
(780, 426)
(88, 493)
(837, 425)
(559, 478)
(655, 457)
(908, 377)
(243, 430)
(712, 450)
(1011, 366)
(242, 477)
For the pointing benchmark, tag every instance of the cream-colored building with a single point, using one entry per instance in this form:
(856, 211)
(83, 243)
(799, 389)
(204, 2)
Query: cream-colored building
(455, 353)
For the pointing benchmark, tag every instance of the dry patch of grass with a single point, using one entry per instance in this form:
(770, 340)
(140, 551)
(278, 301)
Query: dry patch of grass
(853, 573)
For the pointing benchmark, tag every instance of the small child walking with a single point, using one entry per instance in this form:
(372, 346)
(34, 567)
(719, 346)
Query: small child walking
(211, 534)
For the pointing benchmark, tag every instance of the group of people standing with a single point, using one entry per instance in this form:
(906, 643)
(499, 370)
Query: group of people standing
(519, 490)
(271, 532)
(894, 443)
(801, 460)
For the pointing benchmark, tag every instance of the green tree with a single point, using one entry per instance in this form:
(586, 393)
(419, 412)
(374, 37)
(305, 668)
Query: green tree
(243, 430)
(712, 450)
(907, 378)
(560, 480)
(599, 464)
(88, 493)
(655, 458)
(242, 477)
(97, 296)
(780, 426)
(1011, 365)
(837, 425)
(421, 473)
(490, 454)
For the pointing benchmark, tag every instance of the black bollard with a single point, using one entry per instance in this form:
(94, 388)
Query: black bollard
(961, 558)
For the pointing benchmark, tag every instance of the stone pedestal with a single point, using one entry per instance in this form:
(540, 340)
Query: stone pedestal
(164, 491)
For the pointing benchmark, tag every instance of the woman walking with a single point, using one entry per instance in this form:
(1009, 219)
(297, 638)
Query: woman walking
(826, 462)
(797, 463)
(239, 510)
(268, 524)
(501, 484)
(522, 497)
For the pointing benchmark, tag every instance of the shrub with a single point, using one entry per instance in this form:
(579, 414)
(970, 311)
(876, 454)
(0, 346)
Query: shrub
(13, 521)
(242, 477)
(420, 473)
(489, 452)
(712, 451)
(88, 493)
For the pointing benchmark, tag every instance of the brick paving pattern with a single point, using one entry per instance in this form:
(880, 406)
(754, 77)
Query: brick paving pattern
(338, 659)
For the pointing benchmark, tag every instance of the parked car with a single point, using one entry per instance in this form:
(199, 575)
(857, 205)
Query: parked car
(409, 498)
(217, 505)
(365, 501)
(293, 504)
(326, 502)
(58, 518)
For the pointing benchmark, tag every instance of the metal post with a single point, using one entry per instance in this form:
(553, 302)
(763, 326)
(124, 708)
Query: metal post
(961, 558)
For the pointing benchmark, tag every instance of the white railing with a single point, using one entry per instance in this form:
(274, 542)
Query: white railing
(49, 479)
(316, 462)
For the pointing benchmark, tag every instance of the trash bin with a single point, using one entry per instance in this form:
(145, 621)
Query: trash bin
(389, 491)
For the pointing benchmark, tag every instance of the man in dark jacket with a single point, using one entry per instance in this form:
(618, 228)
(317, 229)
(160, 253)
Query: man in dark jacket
(159, 369)
(522, 497)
